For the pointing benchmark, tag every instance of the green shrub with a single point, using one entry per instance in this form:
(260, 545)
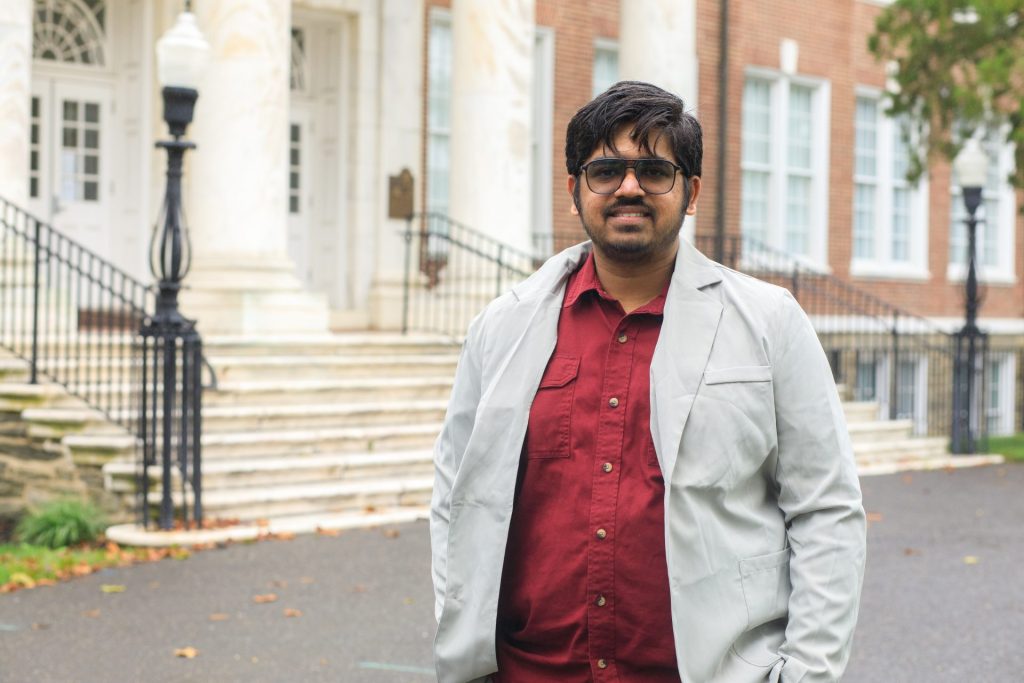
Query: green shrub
(61, 523)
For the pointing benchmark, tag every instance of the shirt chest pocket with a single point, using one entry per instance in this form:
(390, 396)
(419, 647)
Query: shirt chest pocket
(547, 435)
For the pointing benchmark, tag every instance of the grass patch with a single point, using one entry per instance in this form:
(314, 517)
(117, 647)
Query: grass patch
(27, 566)
(1011, 447)
(61, 523)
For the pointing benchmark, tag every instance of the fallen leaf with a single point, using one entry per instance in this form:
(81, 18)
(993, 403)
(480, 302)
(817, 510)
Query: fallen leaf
(186, 652)
(81, 570)
(255, 660)
(112, 588)
(22, 580)
(292, 612)
(46, 582)
(92, 614)
(911, 551)
(112, 548)
(907, 479)
(359, 588)
(278, 583)
(875, 517)
(409, 601)
(392, 533)
(971, 559)
(284, 535)
(180, 553)
(264, 598)
(219, 616)
(262, 523)
(328, 532)
(306, 580)
(40, 627)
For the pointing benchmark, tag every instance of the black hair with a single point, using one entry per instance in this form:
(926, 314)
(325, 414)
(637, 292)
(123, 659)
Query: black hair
(650, 111)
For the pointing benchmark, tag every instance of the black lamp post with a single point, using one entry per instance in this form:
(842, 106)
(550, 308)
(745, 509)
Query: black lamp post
(971, 167)
(170, 417)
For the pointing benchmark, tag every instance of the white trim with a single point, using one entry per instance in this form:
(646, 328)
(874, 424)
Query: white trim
(888, 271)
(541, 199)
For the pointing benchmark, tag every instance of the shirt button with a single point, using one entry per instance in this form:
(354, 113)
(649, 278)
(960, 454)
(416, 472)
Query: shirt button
(622, 338)
(601, 602)
(607, 467)
(613, 402)
(601, 533)
(601, 664)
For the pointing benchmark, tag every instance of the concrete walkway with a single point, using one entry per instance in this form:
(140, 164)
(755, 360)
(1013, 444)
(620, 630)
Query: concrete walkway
(943, 601)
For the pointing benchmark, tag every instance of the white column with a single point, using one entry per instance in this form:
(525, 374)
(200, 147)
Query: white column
(15, 93)
(492, 75)
(401, 145)
(242, 280)
(658, 44)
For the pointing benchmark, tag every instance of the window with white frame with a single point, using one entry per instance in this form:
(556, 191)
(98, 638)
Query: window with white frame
(889, 213)
(606, 65)
(540, 148)
(439, 109)
(785, 164)
(996, 217)
(1000, 373)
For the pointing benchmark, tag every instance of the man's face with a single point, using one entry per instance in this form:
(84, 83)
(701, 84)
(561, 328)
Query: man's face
(631, 225)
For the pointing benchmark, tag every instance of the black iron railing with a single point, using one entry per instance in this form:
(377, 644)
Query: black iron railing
(81, 322)
(879, 352)
(452, 271)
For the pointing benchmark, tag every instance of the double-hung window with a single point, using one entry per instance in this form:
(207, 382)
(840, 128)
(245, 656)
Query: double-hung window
(890, 219)
(439, 110)
(784, 201)
(606, 65)
(996, 217)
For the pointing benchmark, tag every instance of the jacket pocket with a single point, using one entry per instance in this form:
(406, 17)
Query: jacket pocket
(547, 435)
(766, 586)
(744, 373)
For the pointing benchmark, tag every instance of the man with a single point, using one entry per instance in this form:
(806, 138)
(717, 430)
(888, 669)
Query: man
(644, 473)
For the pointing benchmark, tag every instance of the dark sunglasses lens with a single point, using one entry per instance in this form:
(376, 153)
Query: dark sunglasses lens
(655, 176)
(605, 175)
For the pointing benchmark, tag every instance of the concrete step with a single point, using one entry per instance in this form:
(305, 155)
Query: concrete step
(253, 503)
(880, 430)
(327, 440)
(935, 463)
(861, 411)
(344, 344)
(266, 472)
(239, 368)
(130, 534)
(222, 419)
(917, 447)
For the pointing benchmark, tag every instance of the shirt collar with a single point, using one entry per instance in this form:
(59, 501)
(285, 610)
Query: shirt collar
(585, 280)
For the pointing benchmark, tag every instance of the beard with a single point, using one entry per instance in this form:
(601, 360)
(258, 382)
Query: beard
(633, 250)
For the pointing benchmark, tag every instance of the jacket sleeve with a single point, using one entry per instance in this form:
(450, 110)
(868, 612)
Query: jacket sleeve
(448, 451)
(819, 494)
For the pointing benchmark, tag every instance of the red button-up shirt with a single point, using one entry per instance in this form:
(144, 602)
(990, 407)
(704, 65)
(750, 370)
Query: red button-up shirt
(584, 591)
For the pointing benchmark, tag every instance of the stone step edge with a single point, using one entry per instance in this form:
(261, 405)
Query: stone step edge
(123, 441)
(295, 385)
(255, 495)
(933, 463)
(271, 464)
(134, 535)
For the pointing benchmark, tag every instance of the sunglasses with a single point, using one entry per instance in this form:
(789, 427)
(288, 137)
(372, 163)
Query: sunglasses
(655, 176)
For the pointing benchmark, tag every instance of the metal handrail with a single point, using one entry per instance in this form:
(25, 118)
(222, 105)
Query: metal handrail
(62, 306)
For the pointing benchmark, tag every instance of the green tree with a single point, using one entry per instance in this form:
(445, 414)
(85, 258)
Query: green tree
(959, 66)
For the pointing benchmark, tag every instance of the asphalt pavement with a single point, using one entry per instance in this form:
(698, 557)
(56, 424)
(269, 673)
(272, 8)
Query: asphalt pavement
(943, 601)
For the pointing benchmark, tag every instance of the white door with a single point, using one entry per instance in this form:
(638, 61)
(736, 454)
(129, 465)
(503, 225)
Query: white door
(300, 196)
(71, 160)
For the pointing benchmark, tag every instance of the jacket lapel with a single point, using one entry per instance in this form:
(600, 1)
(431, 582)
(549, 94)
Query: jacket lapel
(684, 345)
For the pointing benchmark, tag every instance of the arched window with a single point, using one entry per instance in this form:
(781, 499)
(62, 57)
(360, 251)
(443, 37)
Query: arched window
(70, 31)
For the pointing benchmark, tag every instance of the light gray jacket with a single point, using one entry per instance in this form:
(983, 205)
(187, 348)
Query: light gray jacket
(764, 526)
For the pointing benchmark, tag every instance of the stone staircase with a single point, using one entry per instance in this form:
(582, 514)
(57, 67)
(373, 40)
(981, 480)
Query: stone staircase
(333, 432)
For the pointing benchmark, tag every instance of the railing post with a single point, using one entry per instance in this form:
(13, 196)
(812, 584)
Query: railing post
(894, 370)
(405, 279)
(34, 372)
